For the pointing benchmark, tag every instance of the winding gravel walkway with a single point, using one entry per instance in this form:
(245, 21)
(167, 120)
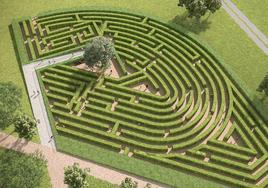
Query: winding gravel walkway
(252, 31)
(57, 161)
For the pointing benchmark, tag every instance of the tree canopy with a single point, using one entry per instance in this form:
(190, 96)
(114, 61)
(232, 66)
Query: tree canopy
(75, 177)
(21, 170)
(25, 126)
(264, 85)
(198, 8)
(98, 52)
(10, 101)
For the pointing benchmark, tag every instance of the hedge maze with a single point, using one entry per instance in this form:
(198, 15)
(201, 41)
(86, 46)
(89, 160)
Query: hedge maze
(194, 117)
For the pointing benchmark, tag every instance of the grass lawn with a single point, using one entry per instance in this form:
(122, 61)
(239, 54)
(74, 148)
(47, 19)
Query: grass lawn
(97, 183)
(45, 181)
(256, 11)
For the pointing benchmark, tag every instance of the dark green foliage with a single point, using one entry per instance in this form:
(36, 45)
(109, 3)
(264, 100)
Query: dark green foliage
(98, 52)
(25, 126)
(264, 85)
(10, 101)
(18, 170)
(198, 8)
(75, 177)
(128, 183)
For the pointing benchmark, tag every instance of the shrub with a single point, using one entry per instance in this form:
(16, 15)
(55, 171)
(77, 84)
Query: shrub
(25, 126)
(128, 183)
(75, 177)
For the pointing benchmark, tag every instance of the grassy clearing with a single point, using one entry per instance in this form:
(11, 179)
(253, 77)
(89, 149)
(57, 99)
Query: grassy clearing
(256, 11)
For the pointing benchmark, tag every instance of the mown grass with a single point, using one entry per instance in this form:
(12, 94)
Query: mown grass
(256, 11)
(97, 183)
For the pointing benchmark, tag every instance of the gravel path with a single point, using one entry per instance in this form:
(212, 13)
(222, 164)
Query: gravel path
(252, 31)
(57, 161)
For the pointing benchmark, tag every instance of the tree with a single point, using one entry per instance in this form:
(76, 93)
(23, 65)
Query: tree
(128, 183)
(264, 85)
(198, 8)
(10, 97)
(25, 126)
(75, 177)
(98, 53)
(21, 170)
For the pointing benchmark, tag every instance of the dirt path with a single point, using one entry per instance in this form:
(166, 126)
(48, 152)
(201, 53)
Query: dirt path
(57, 161)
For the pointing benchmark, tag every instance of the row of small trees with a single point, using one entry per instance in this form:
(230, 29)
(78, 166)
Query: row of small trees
(76, 177)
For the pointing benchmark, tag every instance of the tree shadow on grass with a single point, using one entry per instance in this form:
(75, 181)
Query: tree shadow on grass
(192, 24)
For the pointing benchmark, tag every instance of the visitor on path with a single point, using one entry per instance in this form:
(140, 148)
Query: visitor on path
(51, 138)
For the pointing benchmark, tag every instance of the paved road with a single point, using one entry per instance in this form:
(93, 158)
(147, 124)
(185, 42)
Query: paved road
(57, 161)
(35, 96)
(252, 31)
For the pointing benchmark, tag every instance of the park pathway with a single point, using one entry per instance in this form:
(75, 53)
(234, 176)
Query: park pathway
(57, 161)
(245, 24)
(35, 96)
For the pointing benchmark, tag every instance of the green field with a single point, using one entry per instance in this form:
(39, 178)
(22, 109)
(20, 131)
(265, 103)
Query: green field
(97, 183)
(199, 115)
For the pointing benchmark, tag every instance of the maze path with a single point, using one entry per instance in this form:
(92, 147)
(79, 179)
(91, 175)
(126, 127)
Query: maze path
(201, 122)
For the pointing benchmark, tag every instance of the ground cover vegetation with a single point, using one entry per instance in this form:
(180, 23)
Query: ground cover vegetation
(189, 114)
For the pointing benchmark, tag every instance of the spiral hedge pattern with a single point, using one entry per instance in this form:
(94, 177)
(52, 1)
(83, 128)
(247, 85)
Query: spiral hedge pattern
(194, 118)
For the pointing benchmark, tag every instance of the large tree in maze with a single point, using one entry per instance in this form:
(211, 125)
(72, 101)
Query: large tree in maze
(98, 53)
(264, 85)
(10, 97)
(198, 8)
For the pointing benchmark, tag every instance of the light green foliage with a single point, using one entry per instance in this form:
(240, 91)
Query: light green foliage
(75, 177)
(25, 126)
(98, 52)
(18, 170)
(198, 8)
(10, 97)
(128, 183)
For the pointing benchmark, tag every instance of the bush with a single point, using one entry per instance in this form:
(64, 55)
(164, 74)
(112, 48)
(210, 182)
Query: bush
(128, 183)
(25, 126)
(75, 177)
